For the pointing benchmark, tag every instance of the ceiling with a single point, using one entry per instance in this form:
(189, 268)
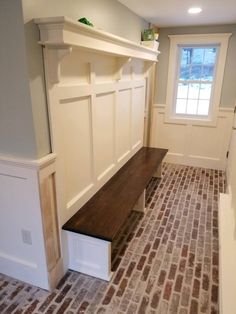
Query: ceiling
(165, 13)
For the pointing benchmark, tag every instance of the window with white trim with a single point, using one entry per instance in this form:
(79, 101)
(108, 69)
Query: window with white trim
(196, 67)
(195, 80)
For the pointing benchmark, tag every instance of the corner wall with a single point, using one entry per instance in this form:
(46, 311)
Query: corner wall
(17, 136)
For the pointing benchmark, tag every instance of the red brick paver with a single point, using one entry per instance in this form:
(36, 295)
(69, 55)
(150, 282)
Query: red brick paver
(165, 261)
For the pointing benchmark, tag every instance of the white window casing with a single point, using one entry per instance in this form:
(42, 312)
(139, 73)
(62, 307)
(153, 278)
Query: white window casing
(177, 41)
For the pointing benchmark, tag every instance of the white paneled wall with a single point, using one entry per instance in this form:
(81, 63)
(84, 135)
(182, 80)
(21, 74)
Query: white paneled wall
(29, 237)
(227, 235)
(96, 105)
(195, 144)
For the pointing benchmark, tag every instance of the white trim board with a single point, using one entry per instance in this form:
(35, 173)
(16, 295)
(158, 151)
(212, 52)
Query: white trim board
(28, 163)
(227, 246)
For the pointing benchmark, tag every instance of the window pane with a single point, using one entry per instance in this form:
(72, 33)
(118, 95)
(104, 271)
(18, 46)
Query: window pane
(182, 90)
(193, 91)
(181, 106)
(186, 56)
(196, 72)
(203, 107)
(198, 56)
(184, 73)
(205, 91)
(210, 55)
(191, 106)
(207, 72)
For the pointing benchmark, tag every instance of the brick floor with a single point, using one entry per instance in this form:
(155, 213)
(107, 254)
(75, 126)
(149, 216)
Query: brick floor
(164, 262)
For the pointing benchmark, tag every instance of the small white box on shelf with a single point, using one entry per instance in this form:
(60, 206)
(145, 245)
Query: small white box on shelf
(153, 44)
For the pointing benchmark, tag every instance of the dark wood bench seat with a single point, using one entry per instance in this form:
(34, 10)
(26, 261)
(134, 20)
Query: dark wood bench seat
(105, 213)
(93, 228)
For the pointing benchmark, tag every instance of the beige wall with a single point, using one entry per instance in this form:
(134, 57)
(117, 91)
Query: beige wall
(16, 125)
(228, 95)
(109, 15)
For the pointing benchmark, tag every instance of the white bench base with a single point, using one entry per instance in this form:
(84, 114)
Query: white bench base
(92, 256)
(140, 205)
(89, 255)
(157, 173)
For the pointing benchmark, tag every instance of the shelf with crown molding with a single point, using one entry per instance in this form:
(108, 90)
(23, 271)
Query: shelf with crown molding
(63, 32)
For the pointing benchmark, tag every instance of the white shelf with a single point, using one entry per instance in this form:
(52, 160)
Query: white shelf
(63, 32)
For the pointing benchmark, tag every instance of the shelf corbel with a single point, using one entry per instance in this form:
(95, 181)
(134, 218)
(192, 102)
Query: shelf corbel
(55, 55)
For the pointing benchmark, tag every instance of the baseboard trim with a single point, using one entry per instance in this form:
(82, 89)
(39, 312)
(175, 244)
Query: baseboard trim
(22, 270)
(194, 161)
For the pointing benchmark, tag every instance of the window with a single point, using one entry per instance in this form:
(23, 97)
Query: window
(196, 67)
(195, 80)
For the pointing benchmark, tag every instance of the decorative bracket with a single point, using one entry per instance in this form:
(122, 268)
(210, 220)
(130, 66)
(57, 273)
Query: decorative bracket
(121, 62)
(53, 57)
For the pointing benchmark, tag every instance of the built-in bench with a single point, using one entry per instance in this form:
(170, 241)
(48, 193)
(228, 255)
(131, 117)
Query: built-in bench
(92, 229)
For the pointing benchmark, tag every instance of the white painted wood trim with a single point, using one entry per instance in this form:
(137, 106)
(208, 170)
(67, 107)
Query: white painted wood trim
(227, 257)
(140, 205)
(89, 255)
(28, 163)
(158, 172)
(226, 109)
(221, 109)
(61, 30)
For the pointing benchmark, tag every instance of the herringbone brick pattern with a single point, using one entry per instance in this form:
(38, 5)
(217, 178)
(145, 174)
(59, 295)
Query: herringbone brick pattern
(164, 262)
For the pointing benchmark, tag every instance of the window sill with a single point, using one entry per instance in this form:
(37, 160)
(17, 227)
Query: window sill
(191, 120)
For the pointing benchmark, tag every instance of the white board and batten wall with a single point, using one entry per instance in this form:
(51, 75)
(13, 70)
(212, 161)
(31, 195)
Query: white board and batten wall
(227, 233)
(96, 92)
(96, 87)
(28, 205)
(96, 84)
(193, 143)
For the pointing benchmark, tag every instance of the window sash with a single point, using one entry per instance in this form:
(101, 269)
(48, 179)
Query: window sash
(189, 82)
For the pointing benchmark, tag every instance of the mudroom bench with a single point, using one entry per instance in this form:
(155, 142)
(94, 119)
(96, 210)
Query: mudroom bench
(92, 229)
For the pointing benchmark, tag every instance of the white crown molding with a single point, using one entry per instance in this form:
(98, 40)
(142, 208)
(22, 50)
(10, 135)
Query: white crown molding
(37, 164)
(63, 31)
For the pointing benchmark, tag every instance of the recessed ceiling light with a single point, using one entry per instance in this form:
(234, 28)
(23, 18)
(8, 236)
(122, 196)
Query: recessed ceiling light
(194, 10)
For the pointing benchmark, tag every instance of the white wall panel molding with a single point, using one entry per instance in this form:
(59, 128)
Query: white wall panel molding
(96, 88)
(227, 234)
(193, 143)
(27, 196)
(96, 108)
